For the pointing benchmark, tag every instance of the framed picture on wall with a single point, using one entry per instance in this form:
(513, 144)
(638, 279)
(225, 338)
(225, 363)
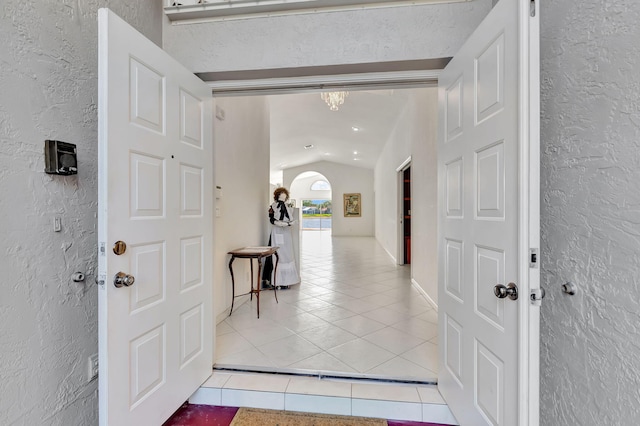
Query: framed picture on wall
(352, 205)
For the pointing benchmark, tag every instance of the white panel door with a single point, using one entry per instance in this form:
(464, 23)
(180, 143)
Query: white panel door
(488, 220)
(155, 172)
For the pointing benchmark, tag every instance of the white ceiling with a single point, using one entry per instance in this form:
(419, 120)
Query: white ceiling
(304, 119)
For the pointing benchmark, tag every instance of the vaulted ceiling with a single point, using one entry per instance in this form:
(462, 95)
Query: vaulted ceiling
(304, 130)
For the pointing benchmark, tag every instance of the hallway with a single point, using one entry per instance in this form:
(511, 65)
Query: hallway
(355, 313)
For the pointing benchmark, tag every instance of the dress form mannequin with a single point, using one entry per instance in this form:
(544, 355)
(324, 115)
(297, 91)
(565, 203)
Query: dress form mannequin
(281, 219)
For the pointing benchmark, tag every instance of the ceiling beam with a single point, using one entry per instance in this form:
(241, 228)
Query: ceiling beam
(363, 76)
(222, 10)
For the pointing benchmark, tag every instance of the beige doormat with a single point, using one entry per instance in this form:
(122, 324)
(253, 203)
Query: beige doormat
(260, 417)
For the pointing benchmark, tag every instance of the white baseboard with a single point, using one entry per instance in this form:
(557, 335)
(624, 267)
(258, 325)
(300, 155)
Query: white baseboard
(385, 249)
(425, 294)
(225, 312)
(222, 315)
(390, 255)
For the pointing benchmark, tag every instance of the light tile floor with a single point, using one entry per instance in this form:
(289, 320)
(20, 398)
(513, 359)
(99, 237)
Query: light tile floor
(355, 313)
(398, 401)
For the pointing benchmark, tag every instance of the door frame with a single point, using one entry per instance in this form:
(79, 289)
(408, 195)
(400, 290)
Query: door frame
(400, 207)
(529, 220)
(529, 176)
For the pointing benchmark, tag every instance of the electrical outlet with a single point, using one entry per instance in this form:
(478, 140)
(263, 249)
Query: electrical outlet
(92, 367)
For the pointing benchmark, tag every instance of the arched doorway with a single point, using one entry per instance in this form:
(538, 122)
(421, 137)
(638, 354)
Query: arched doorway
(312, 192)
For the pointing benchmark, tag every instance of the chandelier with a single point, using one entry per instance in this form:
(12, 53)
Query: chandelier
(334, 99)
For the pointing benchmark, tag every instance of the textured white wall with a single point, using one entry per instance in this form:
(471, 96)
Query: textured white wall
(397, 149)
(414, 135)
(590, 360)
(49, 90)
(241, 168)
(326, 38)
(424, 192)
(343, 179)
(590, 185)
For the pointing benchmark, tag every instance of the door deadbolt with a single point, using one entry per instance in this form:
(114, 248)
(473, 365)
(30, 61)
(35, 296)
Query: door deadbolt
(510, 290)
(119, 247)
(123, 280)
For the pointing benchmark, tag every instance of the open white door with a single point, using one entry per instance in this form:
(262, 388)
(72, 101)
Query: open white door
(488, 182)
(155, 195)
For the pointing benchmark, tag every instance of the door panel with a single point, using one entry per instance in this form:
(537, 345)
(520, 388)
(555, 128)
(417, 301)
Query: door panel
(192, 261)
(147, 264)
(453, 117)
(489, 271)
(490, 184)
(155, 171)
(147, 96)
(191, 334)
(147, 187)
(190, 119)
(482, 182)
(489, 80)
(454, 192)
(489, 384)
(191, 190)
(148, 366)
(452, 349)
(453, 278)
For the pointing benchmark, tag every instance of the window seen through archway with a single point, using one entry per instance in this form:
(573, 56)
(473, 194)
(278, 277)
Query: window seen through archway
(320, 185)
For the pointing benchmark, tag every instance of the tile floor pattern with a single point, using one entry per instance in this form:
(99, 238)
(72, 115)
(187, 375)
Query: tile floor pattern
(355, 312)
(342, 396)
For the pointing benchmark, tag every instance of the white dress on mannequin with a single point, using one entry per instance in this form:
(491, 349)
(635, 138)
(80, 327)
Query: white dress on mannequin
(281, 218)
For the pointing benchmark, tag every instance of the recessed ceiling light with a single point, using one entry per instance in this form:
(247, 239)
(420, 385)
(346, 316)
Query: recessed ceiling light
(355, 129)
(327, 153)
(356, 159)
(308, 146)
(355, 152)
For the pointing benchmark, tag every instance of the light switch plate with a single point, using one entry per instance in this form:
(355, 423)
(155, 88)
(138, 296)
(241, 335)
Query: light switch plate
(92, 367)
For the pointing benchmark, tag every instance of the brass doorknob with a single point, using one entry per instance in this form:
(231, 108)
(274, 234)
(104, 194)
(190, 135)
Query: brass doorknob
(119, 247)
(510, 290)
(123, 280)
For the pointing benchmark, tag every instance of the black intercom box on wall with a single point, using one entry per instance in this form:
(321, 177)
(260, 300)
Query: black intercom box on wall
(60, 158)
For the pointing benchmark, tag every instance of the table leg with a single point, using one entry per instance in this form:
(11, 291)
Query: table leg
(251, 292)
(275, 271)
(233, 284)
(259, 285)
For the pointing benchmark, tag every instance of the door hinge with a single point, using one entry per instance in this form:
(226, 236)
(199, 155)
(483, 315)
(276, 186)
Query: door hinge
(101, 278)
(536, 296)
(533, 258)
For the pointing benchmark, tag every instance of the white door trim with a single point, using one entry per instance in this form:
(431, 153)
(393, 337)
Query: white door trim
(404, 165)
(400, 210)
(529, 176)
(529, 206)
(238, 9)
(363, 81)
